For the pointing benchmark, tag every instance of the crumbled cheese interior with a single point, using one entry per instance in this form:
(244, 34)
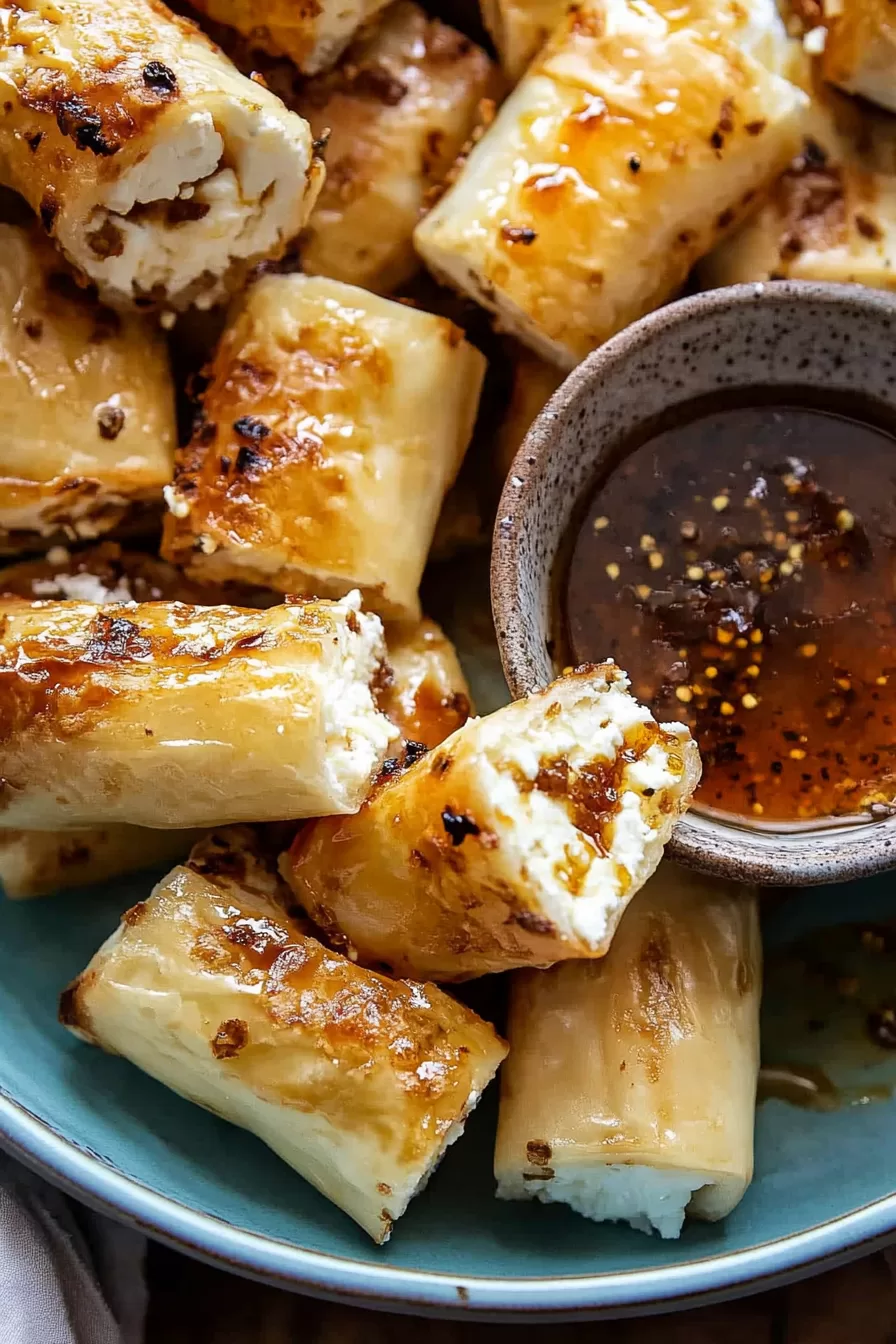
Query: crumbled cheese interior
(356, 734)
(579, 890)
(649, 1199)
(81, 588)
(246, 208)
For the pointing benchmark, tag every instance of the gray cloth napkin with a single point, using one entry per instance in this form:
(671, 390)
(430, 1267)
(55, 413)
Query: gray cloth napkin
(67, 1276)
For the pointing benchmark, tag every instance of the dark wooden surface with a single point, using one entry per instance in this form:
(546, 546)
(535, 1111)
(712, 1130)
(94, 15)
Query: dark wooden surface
(192, 1304)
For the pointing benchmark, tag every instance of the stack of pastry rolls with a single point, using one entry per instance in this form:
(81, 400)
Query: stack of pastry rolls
(267, 707)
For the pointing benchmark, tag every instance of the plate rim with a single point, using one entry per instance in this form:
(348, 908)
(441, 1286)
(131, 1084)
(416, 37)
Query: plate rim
(104, 1187)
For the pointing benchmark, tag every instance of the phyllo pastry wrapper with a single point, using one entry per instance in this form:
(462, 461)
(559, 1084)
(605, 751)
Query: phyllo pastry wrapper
(631, 1084)
(313, 35)
(332, 425)
(358, 1082)
(519, 841)
(37, 863)
(425, 692)
(161, 172)
(88, 403)
(860, 50)
(398, 109)
(163, 714)
(831, 216)
(520, 28)
(632, 145)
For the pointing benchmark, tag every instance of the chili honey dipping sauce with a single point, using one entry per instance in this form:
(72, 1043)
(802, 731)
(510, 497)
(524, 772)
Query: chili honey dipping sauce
(739, 562)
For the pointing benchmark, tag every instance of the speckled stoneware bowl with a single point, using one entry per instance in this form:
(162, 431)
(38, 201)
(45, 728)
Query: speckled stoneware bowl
(827, 337)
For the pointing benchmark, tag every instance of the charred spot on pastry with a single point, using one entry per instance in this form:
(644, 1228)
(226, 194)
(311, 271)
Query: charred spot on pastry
(110, 420)
(868, 228)
(755, 127)
(34, 329)
(375, 81)
(634, 163)
(83, 125)
(48, 210)
(159, 78)
(383, 1188)
(114, 639)
(247, 459)
(725, 219)
(538, 1151)
(251, 428)
(458, 826)
(512, 233)
(106, 241)
(351, 620)
(231, 1037)
(532, 922)
(69, 1014)
(33, 141)
(134, 914)
(414, 752)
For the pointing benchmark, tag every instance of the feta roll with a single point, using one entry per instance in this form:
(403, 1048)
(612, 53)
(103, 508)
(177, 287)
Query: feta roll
(399, 109)
(358, 1082)
(831, 216)
(168, 715)
(426, 693)
(88, 403)
(631, 146)
(159, 170)
(332, 425)
(39, 863)
(312, 36)
(630, 1088)
(859, 52)
(519, 841)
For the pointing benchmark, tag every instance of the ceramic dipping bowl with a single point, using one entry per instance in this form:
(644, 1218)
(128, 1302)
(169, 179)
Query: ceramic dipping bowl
(814, 338)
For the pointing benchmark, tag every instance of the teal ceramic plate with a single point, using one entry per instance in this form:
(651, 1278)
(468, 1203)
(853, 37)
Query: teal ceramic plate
(825, 1185)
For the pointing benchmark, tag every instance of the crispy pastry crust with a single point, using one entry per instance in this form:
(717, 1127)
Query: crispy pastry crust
(332, 425)
(161, 172)
(169, 715)
(357, 1081)
(519, 841)
(630, 147)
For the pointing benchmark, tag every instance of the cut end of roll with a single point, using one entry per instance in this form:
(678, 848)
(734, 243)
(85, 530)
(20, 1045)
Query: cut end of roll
(214, 194)
(649, 1199)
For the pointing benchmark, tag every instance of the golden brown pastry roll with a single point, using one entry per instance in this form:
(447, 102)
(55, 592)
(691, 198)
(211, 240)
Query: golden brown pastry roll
(520, 28)
(631, 146)
(37, 863)
(169, 715)
(161, 172)
(427, 696)
(333, 423)
(399, 109)
(631, 1084)
(313, 36)
(534, 383)
(88, 403)
(358, 1082)
(519, 841)
(859, 52)
(832, 215)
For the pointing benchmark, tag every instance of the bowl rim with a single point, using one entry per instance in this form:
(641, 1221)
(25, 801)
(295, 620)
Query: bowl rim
(707, 843)
(95, 1181)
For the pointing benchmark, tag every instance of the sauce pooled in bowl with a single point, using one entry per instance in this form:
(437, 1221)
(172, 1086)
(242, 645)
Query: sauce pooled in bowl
(740, 564)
